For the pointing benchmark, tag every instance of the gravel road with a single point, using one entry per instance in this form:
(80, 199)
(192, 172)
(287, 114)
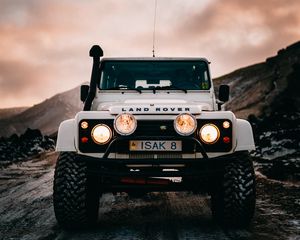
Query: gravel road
(26, 211)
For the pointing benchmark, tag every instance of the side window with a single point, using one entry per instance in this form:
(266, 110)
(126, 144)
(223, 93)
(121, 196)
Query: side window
(205, 82)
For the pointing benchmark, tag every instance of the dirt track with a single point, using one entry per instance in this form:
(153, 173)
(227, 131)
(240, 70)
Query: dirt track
(26, 211)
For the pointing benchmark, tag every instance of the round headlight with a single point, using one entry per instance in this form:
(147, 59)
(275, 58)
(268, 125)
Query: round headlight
(209, 133)
(101, 134)
(125, 124)
(185, 124)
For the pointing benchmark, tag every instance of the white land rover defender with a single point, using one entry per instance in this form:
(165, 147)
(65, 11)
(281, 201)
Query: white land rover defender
(145, 122)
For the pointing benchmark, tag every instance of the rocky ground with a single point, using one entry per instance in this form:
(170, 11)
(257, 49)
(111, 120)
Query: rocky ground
(277, 140)
(26, 210)
(30, 144)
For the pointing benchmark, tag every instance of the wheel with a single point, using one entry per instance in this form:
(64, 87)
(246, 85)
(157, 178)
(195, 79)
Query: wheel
(75, 193)
(233, 196)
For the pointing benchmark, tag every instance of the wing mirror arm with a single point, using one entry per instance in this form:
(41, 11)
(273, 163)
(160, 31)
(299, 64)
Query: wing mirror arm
(219, 103)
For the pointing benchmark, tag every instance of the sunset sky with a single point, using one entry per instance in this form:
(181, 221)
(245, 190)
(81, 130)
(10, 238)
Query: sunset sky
(44, 44)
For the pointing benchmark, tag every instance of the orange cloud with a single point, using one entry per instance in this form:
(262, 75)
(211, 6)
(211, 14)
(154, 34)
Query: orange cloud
(44, 44)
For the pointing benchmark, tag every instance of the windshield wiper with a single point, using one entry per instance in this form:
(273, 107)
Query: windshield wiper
(172, 87)
(122, 88)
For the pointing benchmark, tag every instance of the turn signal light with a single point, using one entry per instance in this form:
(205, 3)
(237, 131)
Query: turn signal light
(84, 125)
(226, 124)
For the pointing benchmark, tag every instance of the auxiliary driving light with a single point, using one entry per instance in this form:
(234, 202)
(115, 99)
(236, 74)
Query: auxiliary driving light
(185, 124)
(101, 134)
(209, 133)
(125, 124)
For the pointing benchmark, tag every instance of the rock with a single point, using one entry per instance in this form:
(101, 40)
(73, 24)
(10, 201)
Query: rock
(31, 134)
(29, 144)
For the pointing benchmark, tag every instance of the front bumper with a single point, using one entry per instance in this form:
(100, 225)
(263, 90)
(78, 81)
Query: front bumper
(198, 174)
(145, 167)
(115, 141)
(156, 167)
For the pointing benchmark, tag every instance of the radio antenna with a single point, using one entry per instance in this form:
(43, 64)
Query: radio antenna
(154, 29)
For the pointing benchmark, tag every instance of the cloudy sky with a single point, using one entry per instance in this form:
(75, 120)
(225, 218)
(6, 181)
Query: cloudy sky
(44, 44)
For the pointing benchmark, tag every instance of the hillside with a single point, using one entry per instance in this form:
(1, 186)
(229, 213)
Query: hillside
(256, 89)
(268, 95)
(10, 112)
(260, 89)
(45, 116)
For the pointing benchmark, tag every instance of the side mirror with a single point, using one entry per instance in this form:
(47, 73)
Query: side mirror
(84, 91)
(224, 93)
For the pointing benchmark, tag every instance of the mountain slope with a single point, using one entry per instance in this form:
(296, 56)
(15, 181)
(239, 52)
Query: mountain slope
(9, 112)
(45, 116)
(260, 89)
(256, 89)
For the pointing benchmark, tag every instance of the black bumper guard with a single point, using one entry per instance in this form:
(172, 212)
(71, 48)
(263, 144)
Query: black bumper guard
(118, 167)
(118, 139)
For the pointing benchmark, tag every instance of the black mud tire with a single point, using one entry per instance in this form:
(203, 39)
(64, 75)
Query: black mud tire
(75, 193)
(233, 196)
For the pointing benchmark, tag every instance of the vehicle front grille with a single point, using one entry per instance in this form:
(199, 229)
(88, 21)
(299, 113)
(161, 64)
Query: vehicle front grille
(155, 128)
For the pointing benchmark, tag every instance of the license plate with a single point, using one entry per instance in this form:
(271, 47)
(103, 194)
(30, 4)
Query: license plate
(155, 145)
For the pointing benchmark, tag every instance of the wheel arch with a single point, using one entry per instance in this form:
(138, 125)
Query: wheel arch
(244, 136)
(66, 136)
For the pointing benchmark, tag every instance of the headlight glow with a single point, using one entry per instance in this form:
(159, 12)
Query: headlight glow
(101, 134)
(185, 124)
(209, 133)
(125, 124)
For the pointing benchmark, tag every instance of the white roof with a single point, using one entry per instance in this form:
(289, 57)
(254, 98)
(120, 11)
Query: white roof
(154, 59)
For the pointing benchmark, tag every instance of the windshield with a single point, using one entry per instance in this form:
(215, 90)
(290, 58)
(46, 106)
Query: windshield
(173, 74)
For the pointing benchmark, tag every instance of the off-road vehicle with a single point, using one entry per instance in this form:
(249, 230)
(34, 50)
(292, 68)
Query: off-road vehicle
(153, 124)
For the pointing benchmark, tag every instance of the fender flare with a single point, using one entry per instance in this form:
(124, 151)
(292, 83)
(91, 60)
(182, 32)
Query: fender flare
(66, 137)
(244, 136)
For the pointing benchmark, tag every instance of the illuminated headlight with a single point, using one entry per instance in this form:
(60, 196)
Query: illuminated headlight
(101, 134)
(185, 124)
(125, 124)
(209, 133)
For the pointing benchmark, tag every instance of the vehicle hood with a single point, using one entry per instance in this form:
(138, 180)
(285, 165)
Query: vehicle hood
(154, 106)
